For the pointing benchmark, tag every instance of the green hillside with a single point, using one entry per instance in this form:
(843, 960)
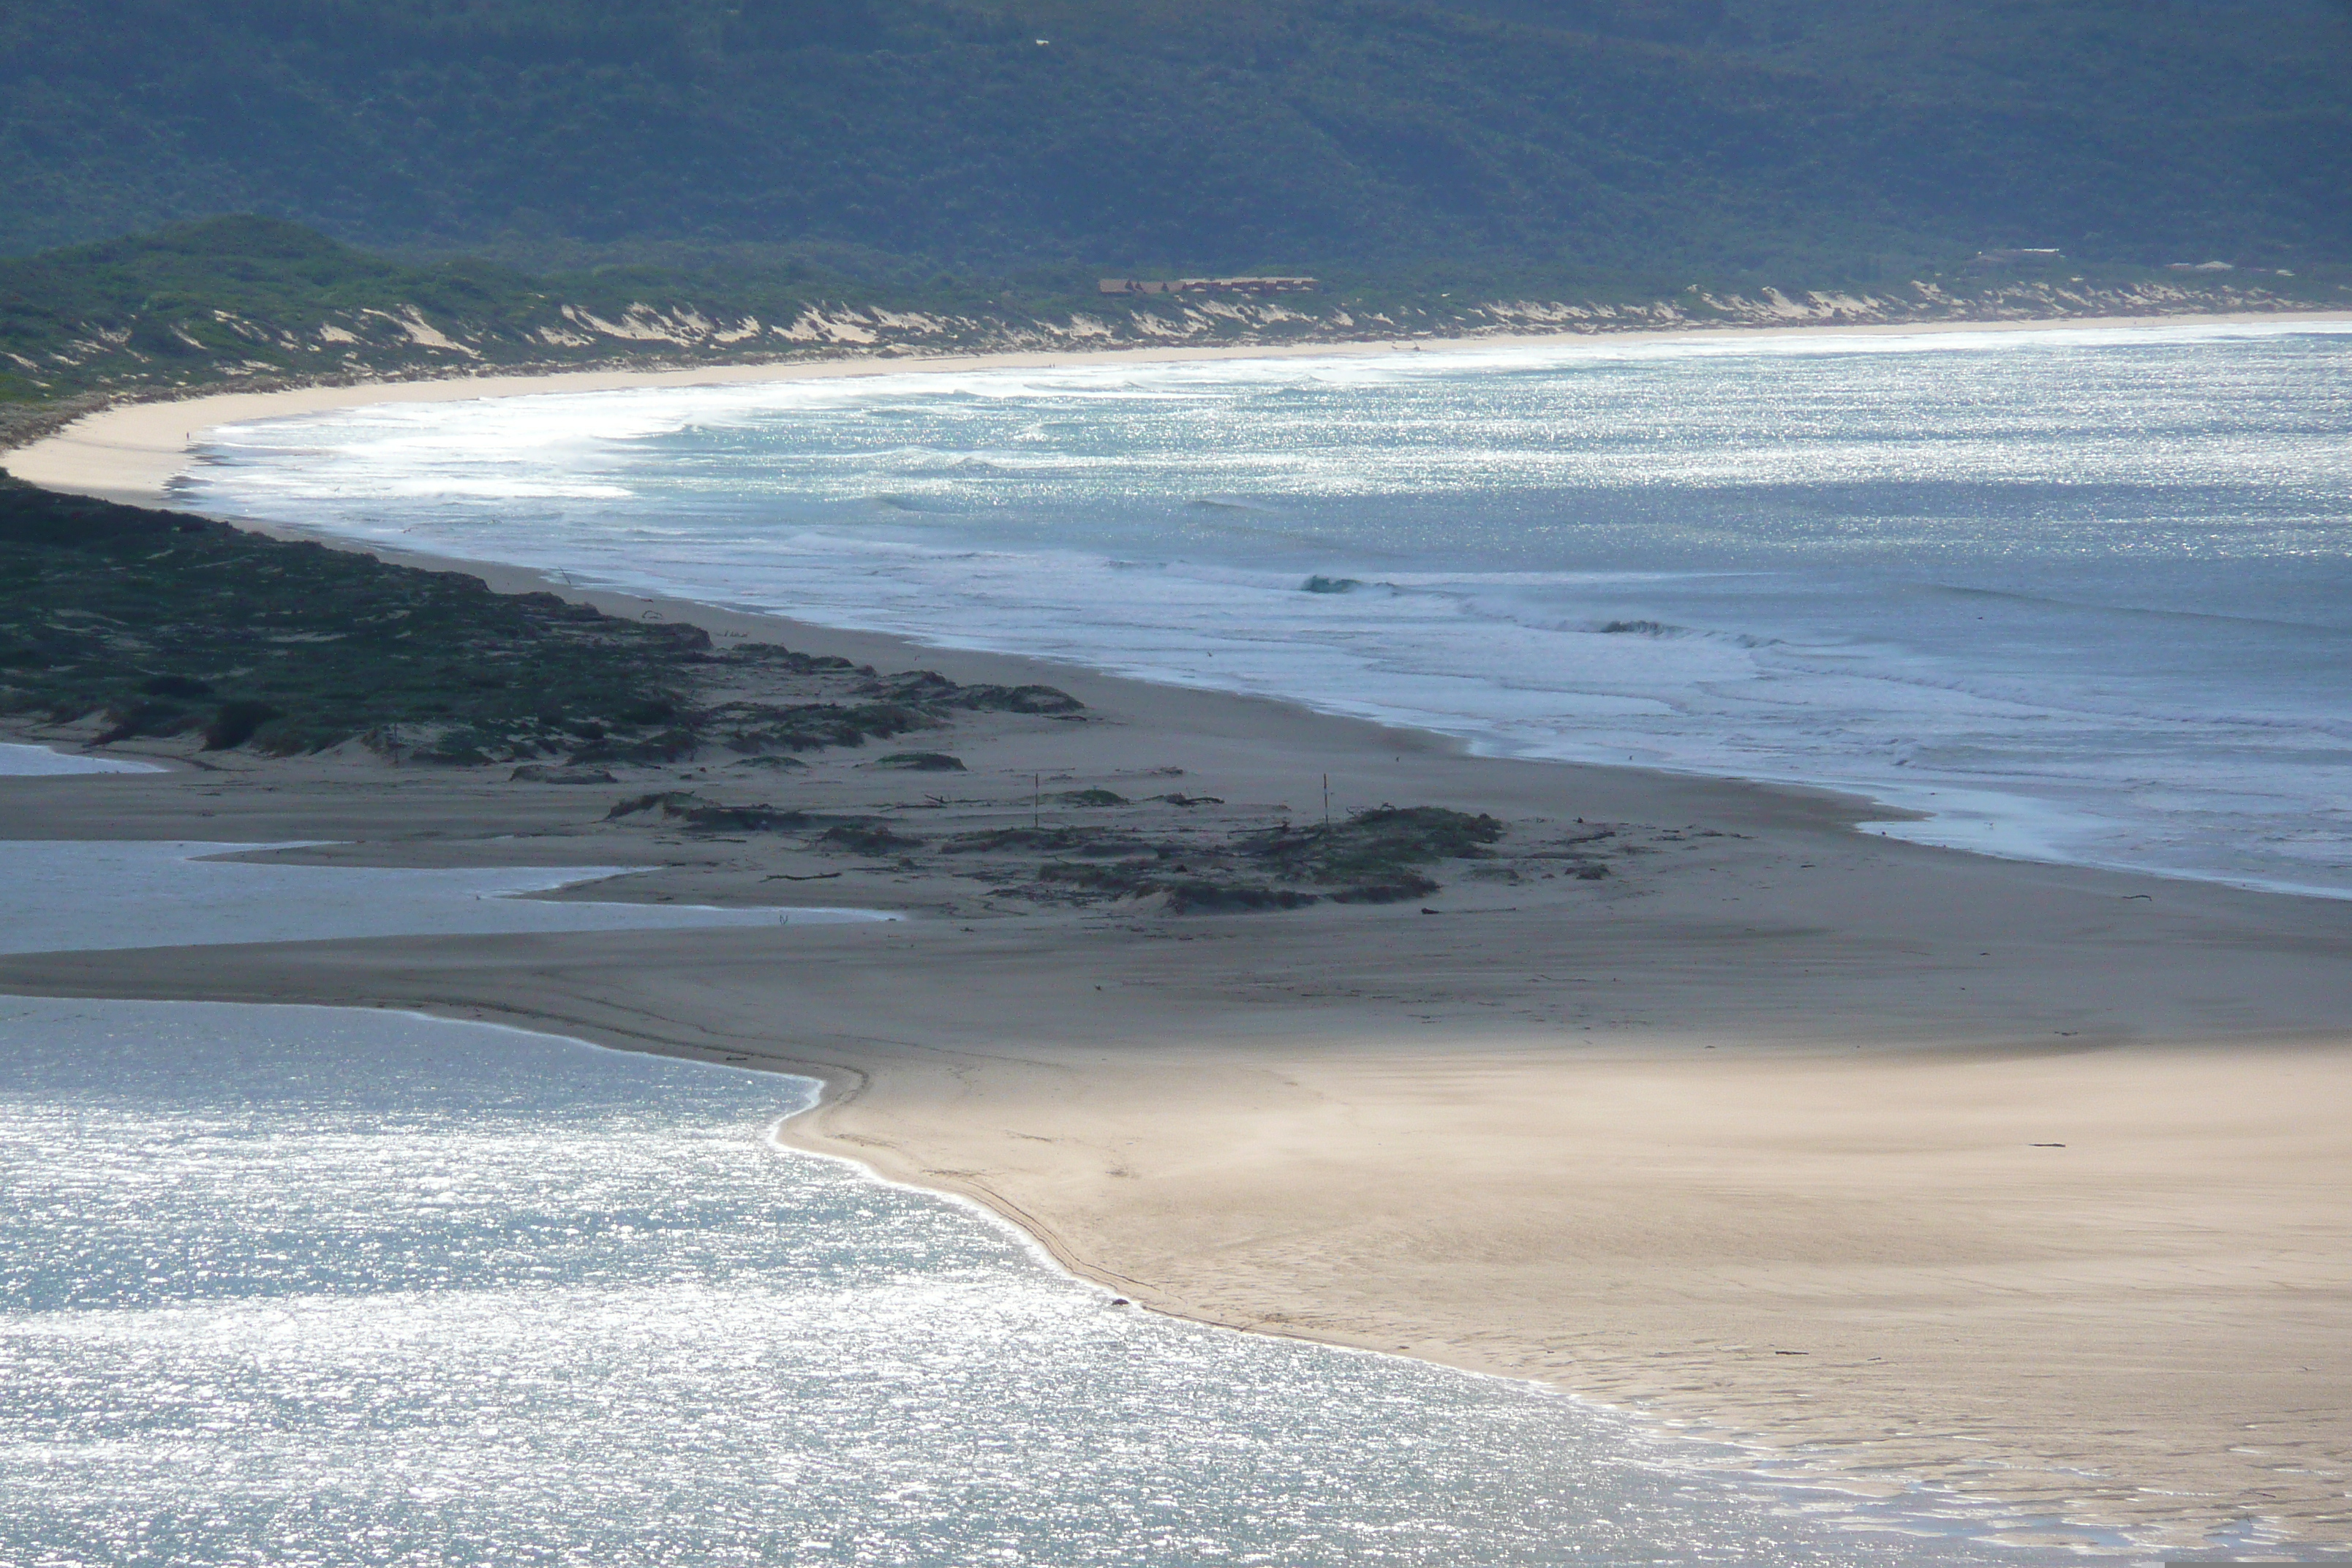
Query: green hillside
(258, 301)
(254, 302)
(939, 145)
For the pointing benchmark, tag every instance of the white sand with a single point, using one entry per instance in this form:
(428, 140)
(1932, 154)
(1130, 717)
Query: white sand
(131, 452)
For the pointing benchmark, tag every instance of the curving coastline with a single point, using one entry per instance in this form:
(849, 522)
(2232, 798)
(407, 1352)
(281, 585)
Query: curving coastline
(1777, 1088)
(130, 451)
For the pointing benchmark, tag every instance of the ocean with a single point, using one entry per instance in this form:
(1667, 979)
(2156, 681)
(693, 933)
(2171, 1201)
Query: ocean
(2080, 594)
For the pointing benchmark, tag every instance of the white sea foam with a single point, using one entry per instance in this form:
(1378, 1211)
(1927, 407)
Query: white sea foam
(2091, 583)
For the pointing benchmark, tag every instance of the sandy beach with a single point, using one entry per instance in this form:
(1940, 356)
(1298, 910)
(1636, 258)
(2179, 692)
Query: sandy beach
(1897, 1161)
(131, 452)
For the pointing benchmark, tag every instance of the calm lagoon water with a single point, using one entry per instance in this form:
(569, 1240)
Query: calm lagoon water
(66, 895)
(2085, 594)
(316, 1287)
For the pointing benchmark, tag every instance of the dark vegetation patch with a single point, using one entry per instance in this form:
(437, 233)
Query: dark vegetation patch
(1396, 891)
(740, 818)
(669, 802)
(1372, 857)
(541, 772)
(1001, 839)
(858, 835)
(866, 838)
(1195, 896)
(921, 762)
(1372, 845)
(159, 623)
(696, 814)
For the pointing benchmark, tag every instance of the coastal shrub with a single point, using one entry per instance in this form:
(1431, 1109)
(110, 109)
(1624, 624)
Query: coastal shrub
(136, 719)
(1371, 848)
(866, 838)
(754, 728)
(295, 737)
(995, 838)
(234, 724)
(637, 803)
(460, 746)
(1044, 701)
(1200, 898)
(921, 762)
(134, 614)
(667, 746)
(540, 773)
(736, 819)
(1394, 891)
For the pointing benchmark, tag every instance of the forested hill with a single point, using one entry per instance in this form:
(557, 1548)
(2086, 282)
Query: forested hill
(1500, 143)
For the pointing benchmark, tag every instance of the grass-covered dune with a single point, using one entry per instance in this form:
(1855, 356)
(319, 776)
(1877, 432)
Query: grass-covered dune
(122, 624)
(253, 302)
(144, 623)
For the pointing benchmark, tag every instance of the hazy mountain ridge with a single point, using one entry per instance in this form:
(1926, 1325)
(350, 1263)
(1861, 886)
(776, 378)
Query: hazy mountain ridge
(1508, 145)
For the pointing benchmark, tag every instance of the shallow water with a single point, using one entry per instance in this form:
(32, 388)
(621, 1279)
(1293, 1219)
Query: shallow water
(63, 895)
(2088, 595)
(316, 1287)
(20, 761)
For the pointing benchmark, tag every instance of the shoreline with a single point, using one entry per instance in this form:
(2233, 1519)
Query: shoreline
(1365, 1128)
(1430, 1138)
(129, 453)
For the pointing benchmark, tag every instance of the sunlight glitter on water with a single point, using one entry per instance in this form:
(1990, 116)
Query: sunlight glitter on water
(308, 1286)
